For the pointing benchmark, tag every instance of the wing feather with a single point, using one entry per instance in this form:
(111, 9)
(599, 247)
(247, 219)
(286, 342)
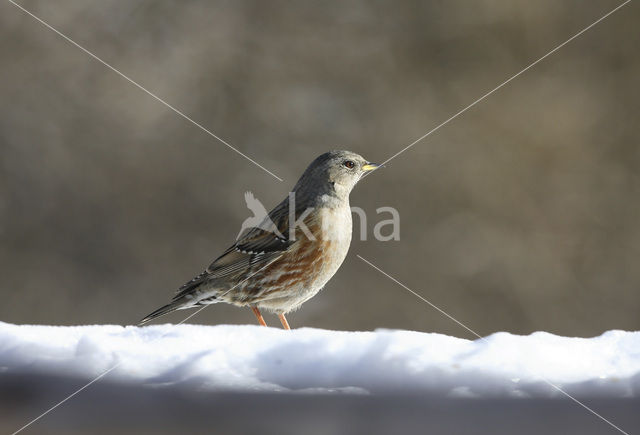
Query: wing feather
(251, 252)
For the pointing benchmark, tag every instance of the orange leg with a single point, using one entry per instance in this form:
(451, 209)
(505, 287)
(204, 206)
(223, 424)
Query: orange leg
(283, 320)
(258, 315)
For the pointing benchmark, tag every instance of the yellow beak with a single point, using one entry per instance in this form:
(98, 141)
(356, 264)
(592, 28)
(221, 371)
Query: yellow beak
(370, 167)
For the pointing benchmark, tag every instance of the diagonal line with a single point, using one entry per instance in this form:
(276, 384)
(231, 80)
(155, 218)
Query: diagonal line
(484, 339)
(109, 370)
(531, 65)
(443, 124)
(130, 80)
(94, 380)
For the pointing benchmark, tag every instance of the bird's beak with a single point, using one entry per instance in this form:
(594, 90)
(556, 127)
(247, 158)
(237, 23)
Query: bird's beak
(370, 167)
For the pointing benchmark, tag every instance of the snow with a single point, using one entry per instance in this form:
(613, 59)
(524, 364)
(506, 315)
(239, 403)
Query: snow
(253, 358)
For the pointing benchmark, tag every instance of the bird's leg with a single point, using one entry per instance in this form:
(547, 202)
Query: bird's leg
(283, 320)
(258, 315)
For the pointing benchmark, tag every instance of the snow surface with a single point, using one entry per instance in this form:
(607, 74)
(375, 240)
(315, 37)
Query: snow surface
(253, 358)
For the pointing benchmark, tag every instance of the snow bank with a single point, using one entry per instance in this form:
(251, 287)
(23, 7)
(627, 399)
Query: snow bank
(252, 358)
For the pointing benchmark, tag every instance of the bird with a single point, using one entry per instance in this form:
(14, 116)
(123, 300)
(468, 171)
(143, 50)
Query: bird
(278, 271)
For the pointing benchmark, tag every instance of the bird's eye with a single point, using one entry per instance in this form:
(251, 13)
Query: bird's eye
(349, 164)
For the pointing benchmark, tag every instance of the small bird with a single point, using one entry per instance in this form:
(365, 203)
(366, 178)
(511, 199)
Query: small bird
(280, 270)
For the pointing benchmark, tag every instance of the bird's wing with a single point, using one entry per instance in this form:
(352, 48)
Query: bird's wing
(253, 251)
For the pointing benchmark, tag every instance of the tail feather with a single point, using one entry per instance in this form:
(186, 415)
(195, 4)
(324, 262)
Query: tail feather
(173, 306)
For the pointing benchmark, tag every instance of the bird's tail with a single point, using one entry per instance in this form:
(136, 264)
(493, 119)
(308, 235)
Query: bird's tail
(173, 306)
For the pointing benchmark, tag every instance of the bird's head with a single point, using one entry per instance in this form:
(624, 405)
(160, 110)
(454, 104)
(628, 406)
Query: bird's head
(334, 173)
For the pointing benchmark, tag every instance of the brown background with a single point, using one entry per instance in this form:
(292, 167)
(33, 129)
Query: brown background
(522, 214)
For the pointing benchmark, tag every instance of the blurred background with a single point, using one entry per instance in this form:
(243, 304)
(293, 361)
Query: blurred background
(522, 214)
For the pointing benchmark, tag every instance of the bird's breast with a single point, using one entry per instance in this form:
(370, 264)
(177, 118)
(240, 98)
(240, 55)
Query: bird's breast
(332, 224)
(309, 263)
(332, 231)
